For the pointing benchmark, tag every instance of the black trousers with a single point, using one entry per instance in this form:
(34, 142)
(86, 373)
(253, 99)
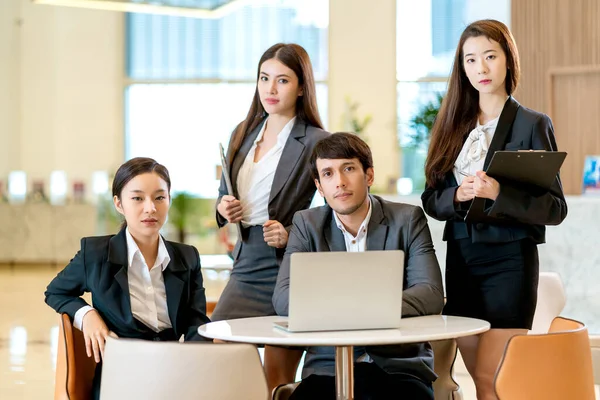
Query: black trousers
(370, 383)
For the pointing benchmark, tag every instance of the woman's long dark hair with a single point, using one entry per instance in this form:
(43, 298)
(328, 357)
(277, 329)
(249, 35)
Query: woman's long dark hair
(460, 108)
(295, 58)
(134, 167)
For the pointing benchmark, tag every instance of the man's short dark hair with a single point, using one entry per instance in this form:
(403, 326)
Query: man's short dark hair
(341, 145)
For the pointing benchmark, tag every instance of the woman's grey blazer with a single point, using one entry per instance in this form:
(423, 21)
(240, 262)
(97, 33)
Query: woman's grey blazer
(293, 186)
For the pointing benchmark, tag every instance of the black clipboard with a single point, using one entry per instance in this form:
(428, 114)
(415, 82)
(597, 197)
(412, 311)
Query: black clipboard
(227, 177)
(530, 167)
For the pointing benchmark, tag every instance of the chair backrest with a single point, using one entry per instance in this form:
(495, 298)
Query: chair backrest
(445, 387)
(138, 369)
(74, 369)
(552, 366)
(211, 304)
(550, 302)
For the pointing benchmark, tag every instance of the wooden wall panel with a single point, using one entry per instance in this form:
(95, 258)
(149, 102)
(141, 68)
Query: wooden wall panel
(559, 44)
(574, 98)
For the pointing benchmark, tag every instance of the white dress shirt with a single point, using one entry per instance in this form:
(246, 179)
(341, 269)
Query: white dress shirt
(358, 242)
(355, 244)
(146, 288)
(472, 156)
(255, 179)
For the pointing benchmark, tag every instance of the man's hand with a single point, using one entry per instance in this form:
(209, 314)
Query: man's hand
(275, 234)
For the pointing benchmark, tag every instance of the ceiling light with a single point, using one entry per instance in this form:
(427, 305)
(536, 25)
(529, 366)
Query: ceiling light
(150, 7)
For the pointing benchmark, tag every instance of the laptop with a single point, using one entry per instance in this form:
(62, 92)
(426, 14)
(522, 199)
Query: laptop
(345, 291)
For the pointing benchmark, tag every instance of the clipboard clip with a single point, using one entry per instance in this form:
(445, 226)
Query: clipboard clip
(531, 151)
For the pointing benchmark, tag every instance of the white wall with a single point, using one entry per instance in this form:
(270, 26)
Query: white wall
(362, 64)
(10, 98)
(63, 68)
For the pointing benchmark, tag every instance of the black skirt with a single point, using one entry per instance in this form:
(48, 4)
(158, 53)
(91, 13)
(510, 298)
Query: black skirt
(496, 282)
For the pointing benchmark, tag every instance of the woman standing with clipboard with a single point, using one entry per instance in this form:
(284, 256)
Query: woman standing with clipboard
(491, 268)
(269, 159)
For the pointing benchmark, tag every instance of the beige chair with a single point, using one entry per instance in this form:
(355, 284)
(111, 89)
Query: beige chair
(139, 369)
(595, 344)
(444, 388)
(550, 302)
(74, 369)
(552, 366)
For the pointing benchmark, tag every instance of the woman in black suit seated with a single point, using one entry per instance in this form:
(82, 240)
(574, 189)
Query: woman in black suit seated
(142, 286)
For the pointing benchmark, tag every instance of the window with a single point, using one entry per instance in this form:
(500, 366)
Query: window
(191, 81)
(427, 35)
(181, 125)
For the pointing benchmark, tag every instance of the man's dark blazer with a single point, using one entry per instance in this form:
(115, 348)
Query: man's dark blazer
(521, 211)
(100, 267)
(393, 226)
(293, 186)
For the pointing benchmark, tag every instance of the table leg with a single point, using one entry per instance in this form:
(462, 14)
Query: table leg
(344, 372)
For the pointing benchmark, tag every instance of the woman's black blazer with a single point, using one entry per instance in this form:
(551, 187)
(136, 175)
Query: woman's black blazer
(520, 211)
(100, 267)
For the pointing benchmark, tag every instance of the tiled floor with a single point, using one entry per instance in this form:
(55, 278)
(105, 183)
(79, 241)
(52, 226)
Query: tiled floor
(27, 334)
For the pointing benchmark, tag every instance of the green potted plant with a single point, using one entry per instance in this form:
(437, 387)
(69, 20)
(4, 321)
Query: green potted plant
(414, 154)
(183, 214)
(422, 122)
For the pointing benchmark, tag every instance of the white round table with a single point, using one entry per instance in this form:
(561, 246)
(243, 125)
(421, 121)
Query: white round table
(260, 330)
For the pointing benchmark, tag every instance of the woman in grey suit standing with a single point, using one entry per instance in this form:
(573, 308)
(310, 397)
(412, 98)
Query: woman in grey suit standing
(269, 155)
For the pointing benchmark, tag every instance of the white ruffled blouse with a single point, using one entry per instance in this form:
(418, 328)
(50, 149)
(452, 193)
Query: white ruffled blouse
(472, 156)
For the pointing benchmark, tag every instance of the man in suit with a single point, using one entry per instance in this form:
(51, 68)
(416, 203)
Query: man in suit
(354, 220)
